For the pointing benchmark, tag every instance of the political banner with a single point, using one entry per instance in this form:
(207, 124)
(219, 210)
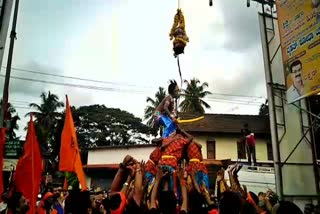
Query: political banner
(299, 28)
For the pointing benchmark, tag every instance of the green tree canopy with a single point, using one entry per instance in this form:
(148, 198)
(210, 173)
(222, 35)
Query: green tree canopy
(264, 108)
(12, 117)
(98, 125)
(193, 97)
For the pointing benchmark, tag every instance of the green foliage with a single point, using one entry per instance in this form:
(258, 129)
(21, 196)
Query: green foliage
(46, 118)
(12, 117)
(98, 125)
(72, 180)
(193, 97)
(264, 108)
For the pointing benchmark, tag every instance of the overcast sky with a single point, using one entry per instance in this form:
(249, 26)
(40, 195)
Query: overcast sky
(126, 43)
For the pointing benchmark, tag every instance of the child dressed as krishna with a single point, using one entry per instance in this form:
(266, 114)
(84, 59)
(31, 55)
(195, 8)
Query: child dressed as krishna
(165, 113)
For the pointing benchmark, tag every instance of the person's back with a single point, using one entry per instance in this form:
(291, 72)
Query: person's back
(160, 108)
(230, 203)
(287, 207)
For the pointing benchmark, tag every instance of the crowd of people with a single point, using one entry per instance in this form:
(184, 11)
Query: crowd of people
(131, 192)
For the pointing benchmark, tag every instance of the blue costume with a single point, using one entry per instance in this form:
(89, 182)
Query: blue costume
(165, 121)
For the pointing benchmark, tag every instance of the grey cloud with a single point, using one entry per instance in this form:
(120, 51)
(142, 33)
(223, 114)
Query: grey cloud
(249, 81)
(23, 87)
(241, 26)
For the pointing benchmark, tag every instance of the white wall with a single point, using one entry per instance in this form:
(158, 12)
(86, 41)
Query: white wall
(226, 147)
(116, 155)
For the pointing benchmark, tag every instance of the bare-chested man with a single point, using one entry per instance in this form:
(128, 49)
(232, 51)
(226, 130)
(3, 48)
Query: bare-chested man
(165, 113)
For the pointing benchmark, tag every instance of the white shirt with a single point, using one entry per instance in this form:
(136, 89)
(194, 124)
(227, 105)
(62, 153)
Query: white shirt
(292, 94)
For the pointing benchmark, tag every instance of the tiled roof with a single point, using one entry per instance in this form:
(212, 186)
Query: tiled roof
(226, 123)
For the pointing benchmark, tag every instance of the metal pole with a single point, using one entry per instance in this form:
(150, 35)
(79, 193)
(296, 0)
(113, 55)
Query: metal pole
(272, 110)
(5, 96)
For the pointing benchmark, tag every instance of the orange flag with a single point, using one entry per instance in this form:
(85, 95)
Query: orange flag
(27, 177)
(2, 142)
(70, 159)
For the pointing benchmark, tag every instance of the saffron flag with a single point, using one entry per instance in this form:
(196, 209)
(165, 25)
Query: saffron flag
(27, 177)
(70, 160)
(2, 142)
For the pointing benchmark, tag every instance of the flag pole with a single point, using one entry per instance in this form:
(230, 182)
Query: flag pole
(5, 96)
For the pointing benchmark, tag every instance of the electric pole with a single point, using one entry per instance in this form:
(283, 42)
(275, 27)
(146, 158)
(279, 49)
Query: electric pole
(5, 96)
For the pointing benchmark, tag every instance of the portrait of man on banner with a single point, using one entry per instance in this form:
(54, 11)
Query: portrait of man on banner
(296, 89)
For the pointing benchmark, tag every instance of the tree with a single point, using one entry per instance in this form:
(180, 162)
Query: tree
(46, 113)
(98, 125)
(13, 117)
(193, 97)
(46, 120)
(264, 108)
(153, 104)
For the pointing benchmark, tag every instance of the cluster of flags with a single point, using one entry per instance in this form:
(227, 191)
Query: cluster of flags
(29, 169)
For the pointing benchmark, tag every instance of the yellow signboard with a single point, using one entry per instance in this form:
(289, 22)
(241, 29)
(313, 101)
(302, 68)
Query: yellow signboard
(299, 26)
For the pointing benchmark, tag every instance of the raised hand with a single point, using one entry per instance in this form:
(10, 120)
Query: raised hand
(180, 173)
(128, 160)
(160, 173)
(143, 166)
(132, 170)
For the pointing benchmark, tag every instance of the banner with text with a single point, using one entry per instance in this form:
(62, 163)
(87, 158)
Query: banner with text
(299, 26)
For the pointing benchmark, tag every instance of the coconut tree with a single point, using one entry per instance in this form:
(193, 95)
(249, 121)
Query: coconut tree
(46, 113)
(193, 97)
(153, 104)
(46, 121)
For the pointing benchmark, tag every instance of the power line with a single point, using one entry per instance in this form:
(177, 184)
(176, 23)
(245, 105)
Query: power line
(74, 78)
(105, 88)
(75, 85)
(236, 100)
(237, 95)
(121, 84)
(233, 102)
(17, 101)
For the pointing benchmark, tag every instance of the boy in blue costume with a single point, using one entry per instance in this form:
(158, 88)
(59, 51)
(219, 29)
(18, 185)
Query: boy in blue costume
(165, 113)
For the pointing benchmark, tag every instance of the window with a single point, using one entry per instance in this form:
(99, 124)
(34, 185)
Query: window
(269, 151)
(211, 149)
(241, 148)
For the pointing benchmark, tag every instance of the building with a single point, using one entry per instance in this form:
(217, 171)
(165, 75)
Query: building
(12, 152)
(219, 136)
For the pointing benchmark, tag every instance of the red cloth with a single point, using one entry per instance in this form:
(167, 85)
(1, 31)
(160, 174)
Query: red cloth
(70, 159)
(122, 205)
(151, 167)
(197, 166)
(2, 142)
(151, 164)
(194, 151)
(155, 155)
(214, 211)
(250, 140)
(27, 177)
(174, 149)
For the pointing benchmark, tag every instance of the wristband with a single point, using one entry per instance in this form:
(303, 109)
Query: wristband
(183, 182)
